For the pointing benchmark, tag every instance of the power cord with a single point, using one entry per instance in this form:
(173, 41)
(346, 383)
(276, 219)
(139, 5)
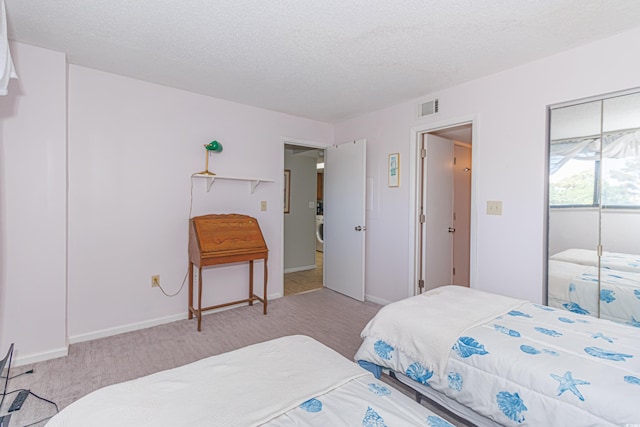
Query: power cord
(38, 397)
(30, 371)
(181, 286)
(187, 273)
(46, 418)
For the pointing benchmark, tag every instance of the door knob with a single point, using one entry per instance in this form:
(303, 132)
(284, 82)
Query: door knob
(360, 228)
(452, 230)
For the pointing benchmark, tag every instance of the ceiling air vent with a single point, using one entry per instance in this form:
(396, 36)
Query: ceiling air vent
(428, 108)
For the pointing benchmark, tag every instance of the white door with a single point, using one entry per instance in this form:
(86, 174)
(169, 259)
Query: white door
(344, 218)
(438, 248)
(461, 213)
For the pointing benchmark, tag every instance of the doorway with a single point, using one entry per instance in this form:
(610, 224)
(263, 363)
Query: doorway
(304, 221)
(444, 191)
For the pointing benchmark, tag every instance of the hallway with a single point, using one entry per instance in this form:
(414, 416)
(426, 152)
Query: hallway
(304, 281)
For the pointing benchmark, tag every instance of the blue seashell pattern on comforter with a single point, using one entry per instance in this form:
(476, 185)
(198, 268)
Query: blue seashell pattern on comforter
(537, 366)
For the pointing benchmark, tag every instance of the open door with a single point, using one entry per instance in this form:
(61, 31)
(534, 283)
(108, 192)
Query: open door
(438, 253)
(461, 213)
(344, 218)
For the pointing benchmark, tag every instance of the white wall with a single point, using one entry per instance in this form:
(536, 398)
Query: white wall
(33, 201)
(132, 147)
(509, 163)
(578, 228)
(300, 222)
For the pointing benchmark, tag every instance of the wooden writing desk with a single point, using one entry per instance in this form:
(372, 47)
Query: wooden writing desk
(223, 239)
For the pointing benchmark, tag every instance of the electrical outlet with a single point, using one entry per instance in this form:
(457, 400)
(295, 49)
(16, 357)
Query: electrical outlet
(494, 207)
(155, 281)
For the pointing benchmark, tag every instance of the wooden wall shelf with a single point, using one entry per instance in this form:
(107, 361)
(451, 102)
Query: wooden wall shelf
(254, 182)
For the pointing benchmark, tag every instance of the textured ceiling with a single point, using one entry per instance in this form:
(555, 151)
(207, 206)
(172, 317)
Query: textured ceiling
(324, 59)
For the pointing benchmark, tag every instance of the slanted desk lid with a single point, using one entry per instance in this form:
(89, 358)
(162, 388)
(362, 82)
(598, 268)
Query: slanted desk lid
(228, 233)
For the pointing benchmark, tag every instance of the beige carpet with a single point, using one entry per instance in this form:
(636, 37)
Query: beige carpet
(327, 316)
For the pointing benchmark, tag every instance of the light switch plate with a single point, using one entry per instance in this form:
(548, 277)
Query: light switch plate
(312, 205)
(494, 207)
(263, 205)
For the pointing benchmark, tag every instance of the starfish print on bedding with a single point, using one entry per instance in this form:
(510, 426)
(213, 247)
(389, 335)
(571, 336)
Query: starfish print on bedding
(567, 382)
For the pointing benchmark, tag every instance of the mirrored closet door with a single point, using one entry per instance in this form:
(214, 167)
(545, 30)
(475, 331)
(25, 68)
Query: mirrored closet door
(594, 208)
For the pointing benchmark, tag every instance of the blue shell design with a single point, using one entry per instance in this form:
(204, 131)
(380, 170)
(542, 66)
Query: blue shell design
(634, 322)
(467, 347)
(636, 292)
(582, 321)
(455, 381)
(434, 421)
(549, 332)
(607, 295)
(383, 349)
(544, 307)
(632, 380)
(609, 355)
(575, 308)
(566, 320)
(518, 313)
(419, 373)
(507, 331)
(551, 352)
(372, 419)
(572, 287)
(530, 350)
(311, 405)
(589, 277)
(511, 405)
(379, 390)
(601, 335)
(567, 382)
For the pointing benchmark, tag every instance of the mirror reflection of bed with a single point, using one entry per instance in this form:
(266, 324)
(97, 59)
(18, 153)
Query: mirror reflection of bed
(573, 284)
(594, 207)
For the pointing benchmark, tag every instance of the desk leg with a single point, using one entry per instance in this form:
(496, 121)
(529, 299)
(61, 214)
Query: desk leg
(199, 298)
(264, 295)
(251, 282)
(190, 290)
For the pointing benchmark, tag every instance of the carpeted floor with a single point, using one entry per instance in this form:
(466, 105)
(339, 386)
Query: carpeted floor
(327, 316)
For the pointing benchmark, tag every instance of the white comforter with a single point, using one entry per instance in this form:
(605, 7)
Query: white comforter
(285, 382)
(610, 260)
(574, 287)
(435, 323)
(534, 366)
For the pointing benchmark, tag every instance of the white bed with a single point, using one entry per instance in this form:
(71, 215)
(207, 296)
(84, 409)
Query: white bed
(574, 287)
(290, 381)
(610, 260)
(512, 362)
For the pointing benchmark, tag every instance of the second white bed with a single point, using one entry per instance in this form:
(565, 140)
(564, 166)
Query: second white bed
(290, 381)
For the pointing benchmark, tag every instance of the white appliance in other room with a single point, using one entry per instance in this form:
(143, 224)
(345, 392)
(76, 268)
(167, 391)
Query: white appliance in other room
(319, 232)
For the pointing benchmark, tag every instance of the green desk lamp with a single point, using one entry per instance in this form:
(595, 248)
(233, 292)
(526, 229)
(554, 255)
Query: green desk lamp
(212, 146)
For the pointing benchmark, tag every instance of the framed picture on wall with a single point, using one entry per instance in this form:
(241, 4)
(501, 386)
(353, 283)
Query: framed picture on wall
(394, 170)
(287, 190)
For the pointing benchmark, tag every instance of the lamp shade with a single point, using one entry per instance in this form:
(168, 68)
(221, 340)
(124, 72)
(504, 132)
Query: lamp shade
(214, 146)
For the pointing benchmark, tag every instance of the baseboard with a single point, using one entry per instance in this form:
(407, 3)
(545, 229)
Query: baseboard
(103, 333)
(149, 323)
(376, 300)
(302, 268)
(39, 357)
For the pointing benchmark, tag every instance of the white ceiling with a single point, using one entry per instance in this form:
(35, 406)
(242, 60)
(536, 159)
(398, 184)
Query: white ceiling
(324, 59)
